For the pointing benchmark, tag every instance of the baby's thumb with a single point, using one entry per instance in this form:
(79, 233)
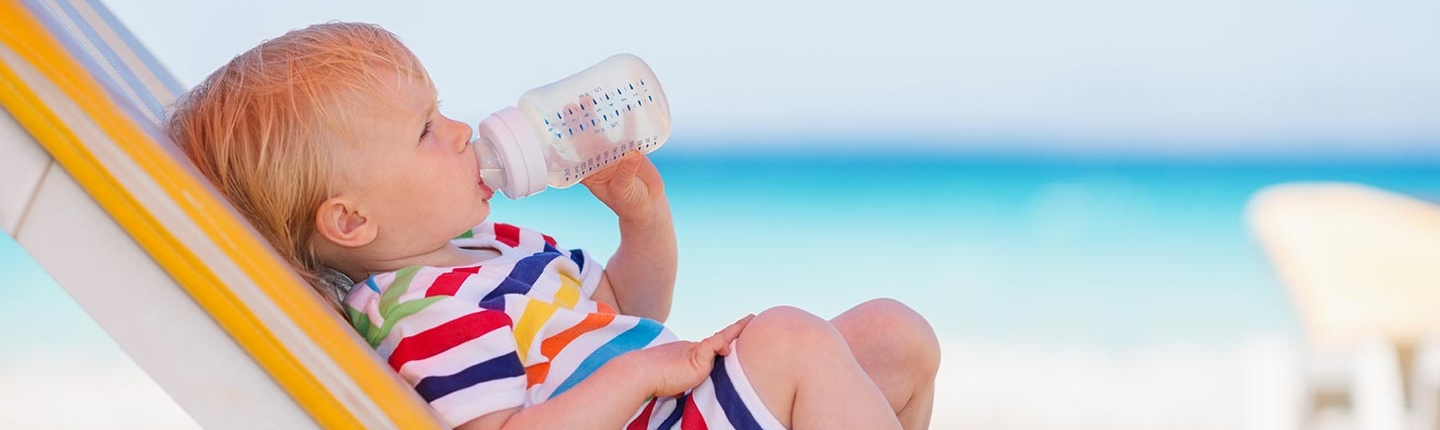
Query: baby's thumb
(630, 164)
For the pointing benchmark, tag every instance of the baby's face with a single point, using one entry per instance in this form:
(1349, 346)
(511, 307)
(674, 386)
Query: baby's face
(412, 171)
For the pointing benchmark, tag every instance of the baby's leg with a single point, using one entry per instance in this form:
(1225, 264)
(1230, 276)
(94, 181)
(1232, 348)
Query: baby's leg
(803, 371)
(898, 349)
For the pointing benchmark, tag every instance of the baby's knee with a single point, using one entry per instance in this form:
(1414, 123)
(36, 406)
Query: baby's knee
(902, 330)
(789, 331)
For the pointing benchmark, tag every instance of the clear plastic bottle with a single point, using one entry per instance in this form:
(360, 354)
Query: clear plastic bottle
(559, 133)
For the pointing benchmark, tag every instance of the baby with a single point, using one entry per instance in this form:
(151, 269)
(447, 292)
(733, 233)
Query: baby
(330, 141)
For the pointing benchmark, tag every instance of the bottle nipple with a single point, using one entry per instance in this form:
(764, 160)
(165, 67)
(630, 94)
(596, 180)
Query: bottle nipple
(492, 172)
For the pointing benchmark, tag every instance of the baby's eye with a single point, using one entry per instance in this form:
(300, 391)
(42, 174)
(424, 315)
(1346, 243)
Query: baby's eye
(426, 132)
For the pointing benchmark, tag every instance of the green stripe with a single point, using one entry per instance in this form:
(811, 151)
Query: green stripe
(398, 287)
(360, 321)
(397, 313)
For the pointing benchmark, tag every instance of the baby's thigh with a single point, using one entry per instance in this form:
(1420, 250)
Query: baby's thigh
(781, 349)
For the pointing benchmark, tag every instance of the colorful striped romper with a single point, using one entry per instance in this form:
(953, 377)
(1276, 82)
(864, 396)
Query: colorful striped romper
(521, 328)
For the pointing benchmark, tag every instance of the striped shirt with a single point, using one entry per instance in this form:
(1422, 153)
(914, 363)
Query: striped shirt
(512, 331)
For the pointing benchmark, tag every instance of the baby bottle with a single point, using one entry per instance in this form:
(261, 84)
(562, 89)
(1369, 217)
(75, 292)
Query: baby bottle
(561, 132)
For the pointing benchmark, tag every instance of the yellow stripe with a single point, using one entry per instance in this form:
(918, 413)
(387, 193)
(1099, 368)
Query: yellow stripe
(22, 33)
(535, 316)
(569, 292)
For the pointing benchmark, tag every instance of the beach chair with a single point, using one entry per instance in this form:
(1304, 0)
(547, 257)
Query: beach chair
(1360, 266)
(1425, 390)
(108, 207)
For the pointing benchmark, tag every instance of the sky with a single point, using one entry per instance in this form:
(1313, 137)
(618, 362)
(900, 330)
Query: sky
(1149, 76)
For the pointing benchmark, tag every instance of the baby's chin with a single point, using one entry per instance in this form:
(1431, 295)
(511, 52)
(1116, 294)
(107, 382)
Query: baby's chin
(480, 215)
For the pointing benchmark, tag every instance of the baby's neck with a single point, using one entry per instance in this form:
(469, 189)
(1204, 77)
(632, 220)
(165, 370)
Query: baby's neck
(445, 256)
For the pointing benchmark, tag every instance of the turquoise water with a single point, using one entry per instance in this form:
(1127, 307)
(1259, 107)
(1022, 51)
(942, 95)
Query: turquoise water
(1114, 252)
(1054, 250)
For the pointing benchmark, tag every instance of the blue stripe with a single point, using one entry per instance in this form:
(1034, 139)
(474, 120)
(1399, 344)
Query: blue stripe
(505, 366)
(370, 282)
(523, 276)
(675, 414)
(118, 67)
(578, 257)
(635, 338)
(161, 73)
(730, 401)
(495, 304)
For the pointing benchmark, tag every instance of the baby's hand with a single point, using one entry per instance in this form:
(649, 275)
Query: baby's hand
(630, 187)
(678, 366)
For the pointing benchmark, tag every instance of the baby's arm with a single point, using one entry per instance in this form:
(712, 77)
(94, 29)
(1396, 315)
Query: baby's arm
(604, 400)
(641, 274)
(610, 396)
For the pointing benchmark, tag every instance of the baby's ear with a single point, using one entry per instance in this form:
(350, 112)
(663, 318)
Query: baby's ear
(339, 221)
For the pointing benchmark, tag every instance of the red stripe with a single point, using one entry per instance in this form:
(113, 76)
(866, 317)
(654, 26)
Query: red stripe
(549, 240)
(447, 284)
(692, 420)
(642, 422)
(441, 338)
(507, 234)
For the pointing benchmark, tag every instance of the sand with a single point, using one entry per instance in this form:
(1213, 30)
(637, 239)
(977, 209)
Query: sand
(994, 386)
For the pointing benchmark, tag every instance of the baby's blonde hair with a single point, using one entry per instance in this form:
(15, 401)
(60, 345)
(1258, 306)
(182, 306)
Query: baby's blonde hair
(265, 127)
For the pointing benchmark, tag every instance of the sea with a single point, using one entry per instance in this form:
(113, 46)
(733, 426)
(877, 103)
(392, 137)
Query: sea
(1110, 251)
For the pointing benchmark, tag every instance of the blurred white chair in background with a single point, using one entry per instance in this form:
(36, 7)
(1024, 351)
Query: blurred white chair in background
(1362, 267)
(1425, 391)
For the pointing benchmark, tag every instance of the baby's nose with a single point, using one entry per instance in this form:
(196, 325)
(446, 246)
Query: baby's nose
(463, 135)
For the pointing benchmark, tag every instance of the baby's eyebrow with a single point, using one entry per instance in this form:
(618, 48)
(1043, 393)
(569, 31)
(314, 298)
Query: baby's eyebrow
(425, 118)
(430, 111)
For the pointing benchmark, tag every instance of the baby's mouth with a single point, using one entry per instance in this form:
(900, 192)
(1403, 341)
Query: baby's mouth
(489, 192)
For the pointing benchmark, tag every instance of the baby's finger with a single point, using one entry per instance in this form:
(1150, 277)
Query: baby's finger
(630, 164)
(733, 331)
(598, 178)
(707, 349)
(728, 335)
(618, 172)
